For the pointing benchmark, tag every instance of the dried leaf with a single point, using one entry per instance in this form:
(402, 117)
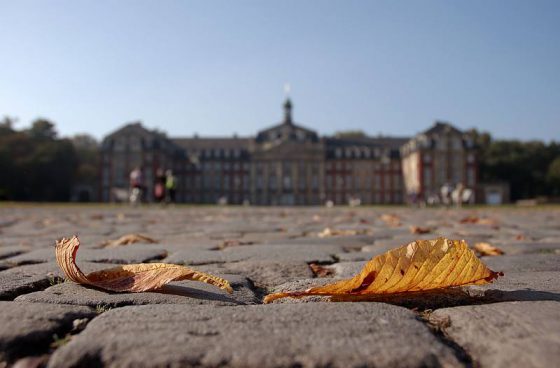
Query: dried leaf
(320, 271)
(520, 237)
(486, 249)
(127, 239)
(128, 278)
(391, 220)
(420, 265)
(420, 230)
(479, 221)
(328, 232)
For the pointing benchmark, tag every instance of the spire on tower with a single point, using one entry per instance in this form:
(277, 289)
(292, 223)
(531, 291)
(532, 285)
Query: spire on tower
(287, 105)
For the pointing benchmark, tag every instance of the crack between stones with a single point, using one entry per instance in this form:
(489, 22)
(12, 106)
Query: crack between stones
(49, 344)
(437, 328)
(40, 285)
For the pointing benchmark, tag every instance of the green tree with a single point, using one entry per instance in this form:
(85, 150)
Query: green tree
(553, 176)
(42, 129)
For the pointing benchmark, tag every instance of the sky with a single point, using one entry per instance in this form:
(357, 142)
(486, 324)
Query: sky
(217, 68)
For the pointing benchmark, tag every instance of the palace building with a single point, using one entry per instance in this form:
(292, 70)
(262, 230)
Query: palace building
(289, 164)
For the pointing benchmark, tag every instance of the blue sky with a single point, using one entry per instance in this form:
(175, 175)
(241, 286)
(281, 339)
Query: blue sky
(218, 67)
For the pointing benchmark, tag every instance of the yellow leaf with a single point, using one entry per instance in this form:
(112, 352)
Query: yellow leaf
(127, 239)
(486, 249)
(419, 230)
(480, 221)
(420, 265)
(328, 232)
(128, 278)
(391, 220)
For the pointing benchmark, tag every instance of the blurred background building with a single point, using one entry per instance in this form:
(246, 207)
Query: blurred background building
(288, 164)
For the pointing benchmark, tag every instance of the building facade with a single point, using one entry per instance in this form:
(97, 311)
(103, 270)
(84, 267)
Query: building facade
(288, 164)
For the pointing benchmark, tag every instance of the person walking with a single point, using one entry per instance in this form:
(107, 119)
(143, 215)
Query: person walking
(159, 186)
(170, 186)
(136, 186)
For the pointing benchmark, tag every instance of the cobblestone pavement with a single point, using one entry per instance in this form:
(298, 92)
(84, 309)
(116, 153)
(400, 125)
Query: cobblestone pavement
(514, 322)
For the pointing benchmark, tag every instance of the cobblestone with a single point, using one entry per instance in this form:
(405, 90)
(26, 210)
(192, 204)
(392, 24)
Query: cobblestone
(511, 322)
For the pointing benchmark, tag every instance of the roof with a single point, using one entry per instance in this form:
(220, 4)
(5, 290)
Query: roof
(442, 127)
(196, 143)
(366, 141)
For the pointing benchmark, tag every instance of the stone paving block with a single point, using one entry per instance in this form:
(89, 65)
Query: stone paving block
(307, 253)
(355, 241)
(513, 334)
(524, 262)
(310, 335)
(181, 292)
(133, 253)
(263, 273)
(11, 251)
(345, 270)
(25, 279)
(28, 328)
(520, 286)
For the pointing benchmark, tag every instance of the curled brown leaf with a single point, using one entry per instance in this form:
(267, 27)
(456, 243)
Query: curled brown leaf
(127, 239)
(128, 278)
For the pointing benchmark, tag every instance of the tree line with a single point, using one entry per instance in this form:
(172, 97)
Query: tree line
(38, 165)
(532, 168)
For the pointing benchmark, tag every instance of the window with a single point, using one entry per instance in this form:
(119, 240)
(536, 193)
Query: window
(302, 182)
(387, 198)
(272, 182)
(397, 182)
(314, 182)
(457, 143)
(377, 181)
(428, 177)
(217, 182)
(119, 145)
(470, 177)
(348, 181)
(135, 144)
(339, 182)
(287, 182)
(368, 181)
